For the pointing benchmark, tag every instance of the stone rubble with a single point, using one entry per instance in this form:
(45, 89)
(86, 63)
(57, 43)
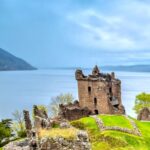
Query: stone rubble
(18, 145)
(144, 114)
(60, 143)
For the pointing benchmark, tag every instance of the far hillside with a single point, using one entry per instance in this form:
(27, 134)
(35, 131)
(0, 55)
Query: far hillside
(10, 62)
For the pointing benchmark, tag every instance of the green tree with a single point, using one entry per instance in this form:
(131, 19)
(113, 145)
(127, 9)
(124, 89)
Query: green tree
(142, 100)
(60, 99)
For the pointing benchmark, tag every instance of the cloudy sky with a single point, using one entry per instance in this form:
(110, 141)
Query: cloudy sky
(66, 33)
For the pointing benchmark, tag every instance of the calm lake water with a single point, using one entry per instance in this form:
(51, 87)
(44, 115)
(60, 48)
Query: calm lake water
(22, 89)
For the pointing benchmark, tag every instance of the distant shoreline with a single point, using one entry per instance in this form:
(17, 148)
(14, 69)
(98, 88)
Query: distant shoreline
(128, 68)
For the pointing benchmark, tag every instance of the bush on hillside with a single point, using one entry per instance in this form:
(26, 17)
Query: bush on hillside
(78, 125)
(142, 100)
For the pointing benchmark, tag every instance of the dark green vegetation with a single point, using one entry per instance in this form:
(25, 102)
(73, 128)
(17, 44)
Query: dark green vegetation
(142, 100)
(115, 140)
(10, 62)
(5, 131)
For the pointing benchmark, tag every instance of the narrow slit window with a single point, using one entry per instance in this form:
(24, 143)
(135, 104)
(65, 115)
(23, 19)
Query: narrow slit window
(89, 89)
(95, 101)
(110, 90)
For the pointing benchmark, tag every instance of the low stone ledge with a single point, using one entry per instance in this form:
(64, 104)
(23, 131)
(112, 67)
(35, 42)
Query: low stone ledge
(102, 127)
(18, 145)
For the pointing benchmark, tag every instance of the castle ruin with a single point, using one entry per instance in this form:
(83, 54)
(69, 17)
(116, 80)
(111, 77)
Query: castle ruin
(100, 93)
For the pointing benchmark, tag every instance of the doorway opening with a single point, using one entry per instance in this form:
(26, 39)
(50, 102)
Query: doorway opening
(96, 111)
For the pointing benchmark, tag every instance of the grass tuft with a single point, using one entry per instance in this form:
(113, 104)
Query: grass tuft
(69, 133)
(116, 120)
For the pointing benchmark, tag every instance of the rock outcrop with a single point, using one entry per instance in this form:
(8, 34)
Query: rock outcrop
(60, 143)
(81, 142)
(18, 145)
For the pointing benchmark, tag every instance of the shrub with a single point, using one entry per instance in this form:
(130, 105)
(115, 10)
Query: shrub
(142, 100)
(22, 133)
(78, 124)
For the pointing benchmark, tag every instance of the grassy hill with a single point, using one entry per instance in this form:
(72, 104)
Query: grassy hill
(106, 139)
(115, 140)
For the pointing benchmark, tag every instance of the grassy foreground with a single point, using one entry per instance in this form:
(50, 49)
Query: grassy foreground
(108, 139)
(115, 140)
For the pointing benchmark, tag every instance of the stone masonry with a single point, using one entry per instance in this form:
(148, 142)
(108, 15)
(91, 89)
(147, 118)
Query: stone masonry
(101, 93)
(73, 111)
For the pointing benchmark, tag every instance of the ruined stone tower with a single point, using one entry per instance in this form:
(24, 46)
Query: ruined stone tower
(99, 92)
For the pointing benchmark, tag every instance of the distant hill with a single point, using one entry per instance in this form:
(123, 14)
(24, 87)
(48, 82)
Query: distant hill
(132, 68)
(11, 62)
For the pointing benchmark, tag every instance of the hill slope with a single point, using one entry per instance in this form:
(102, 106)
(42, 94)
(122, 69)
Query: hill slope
(11, 62)
(115, 140)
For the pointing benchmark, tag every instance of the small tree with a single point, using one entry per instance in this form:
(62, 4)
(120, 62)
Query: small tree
(19, 125)
(60, 99)
(142, 100)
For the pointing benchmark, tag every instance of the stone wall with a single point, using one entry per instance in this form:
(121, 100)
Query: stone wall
(73, 111)
(102, 127)
(99, 92)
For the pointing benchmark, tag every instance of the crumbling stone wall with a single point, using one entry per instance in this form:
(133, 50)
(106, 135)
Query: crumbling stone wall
(28, 123)
(144, 114)
(73, 111)
(41, 119)
(99, 92)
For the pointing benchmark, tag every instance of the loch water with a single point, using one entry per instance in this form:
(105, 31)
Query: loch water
(22, 89)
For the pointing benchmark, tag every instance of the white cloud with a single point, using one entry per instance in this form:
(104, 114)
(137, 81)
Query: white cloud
(128, 28)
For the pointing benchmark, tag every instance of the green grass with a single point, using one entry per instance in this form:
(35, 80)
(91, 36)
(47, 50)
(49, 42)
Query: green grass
(115, 140)
(116, 120)
(69, 133)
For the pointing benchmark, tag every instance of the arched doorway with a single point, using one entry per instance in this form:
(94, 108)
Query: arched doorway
(96, 112)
